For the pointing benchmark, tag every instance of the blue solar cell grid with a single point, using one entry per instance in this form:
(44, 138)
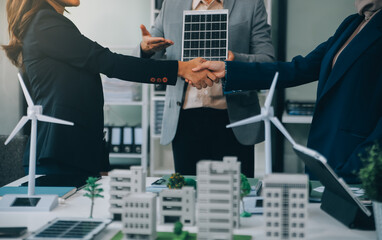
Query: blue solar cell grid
(205, 34)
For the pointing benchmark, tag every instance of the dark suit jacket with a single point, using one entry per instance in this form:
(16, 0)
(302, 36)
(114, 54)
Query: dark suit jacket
(63, 68)
(348, 114)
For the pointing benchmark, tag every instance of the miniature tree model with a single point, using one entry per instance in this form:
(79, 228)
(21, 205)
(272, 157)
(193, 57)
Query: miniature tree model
(179, 233)
(93, 191)
(176, 181)
(178, 228)
(245, 189)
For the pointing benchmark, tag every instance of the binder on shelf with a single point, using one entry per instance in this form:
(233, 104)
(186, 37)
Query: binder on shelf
(127, 144)
(116, 139)
(138, 139)
(106, 136)
(158, 117)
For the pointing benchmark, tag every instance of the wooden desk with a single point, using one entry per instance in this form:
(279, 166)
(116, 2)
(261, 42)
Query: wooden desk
(319, 226)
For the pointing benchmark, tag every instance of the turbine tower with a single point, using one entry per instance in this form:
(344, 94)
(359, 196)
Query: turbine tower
(34, 114)
(266, 115)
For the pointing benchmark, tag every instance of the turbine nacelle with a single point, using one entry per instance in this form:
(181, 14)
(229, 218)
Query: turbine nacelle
(34, 110)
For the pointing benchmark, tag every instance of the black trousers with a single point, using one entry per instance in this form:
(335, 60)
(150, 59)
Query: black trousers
(202, 135)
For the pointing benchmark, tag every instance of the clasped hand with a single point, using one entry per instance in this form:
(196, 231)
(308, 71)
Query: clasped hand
(199, 79)
(201, 73)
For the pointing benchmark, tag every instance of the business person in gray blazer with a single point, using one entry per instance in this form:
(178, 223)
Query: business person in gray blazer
(194, 120)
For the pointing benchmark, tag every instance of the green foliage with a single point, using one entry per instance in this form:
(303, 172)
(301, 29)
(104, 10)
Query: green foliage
(176, 181)
(178, 228)
(93, 191)
(190, 182)
(245, 187)
(371, 173)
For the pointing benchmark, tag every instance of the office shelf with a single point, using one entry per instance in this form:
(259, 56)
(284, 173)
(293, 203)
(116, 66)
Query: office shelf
(131, 109)
(286, 118)
(125, 155)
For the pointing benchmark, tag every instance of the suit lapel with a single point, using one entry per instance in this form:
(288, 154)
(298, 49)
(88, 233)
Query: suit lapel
(228, 4)
(351, 53)
(339, 39)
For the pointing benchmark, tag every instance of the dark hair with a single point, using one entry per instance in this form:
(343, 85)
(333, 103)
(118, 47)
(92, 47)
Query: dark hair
(19, 15)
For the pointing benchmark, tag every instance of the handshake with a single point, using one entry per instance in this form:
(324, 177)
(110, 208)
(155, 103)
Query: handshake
(197, 72)
(201, 73)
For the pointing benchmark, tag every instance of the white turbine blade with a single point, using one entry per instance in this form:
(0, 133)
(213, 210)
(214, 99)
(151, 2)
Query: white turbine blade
(25, 90)
(53, 120)
(282, 129)
(19, 125)
(268, 101)
(246, 121)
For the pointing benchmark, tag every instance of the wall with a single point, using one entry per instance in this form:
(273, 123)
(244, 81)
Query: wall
(10, 106)
(309, 22)
(113, 23)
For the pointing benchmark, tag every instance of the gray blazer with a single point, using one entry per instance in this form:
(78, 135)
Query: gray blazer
(249, 39)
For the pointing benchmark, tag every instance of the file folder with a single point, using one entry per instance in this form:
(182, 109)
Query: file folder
(116, 137)
(138, 139)
(127, 139)
(106, 136)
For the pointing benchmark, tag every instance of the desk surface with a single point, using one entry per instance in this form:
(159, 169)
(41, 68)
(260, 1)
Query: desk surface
(319, 225)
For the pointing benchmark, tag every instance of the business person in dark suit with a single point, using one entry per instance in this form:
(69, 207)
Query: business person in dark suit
(63, 69)
(189, 112)
(348, 67)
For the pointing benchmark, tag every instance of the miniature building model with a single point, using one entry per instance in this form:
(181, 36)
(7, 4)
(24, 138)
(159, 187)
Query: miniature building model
(285, 206)
(218, 198)
(177, 205)
(123, 182)
(139, 216)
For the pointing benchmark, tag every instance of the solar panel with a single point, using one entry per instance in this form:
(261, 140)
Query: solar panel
(70, 229)
(205, 34)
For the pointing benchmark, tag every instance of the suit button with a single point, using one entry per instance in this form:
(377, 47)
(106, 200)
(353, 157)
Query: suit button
(165, 79)
(178, 103)
(152, 79)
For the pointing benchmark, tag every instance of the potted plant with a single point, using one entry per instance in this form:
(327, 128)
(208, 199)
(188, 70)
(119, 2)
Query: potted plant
(371, 178)
(93, 191)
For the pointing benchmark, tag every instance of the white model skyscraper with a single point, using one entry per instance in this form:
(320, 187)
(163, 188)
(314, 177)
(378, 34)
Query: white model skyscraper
(177, 205)
(285, 206)
(218, 198)
(123, 182)
(139, 217)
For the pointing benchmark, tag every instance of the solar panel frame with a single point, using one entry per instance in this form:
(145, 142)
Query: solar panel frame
(70, 229)
(205, 34)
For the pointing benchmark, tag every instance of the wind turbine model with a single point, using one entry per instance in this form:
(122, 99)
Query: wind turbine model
(41, 202)
(266, 115)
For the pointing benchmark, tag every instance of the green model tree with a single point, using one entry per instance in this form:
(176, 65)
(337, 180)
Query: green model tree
(178, 228)
(245, 189)
(176, 181)
(93, 191)
(179, 233)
